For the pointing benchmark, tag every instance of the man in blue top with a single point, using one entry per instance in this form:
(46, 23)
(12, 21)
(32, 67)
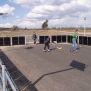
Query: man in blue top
(74, 40)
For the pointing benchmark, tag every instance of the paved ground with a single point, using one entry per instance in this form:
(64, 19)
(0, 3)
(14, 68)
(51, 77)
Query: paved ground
(50, 71)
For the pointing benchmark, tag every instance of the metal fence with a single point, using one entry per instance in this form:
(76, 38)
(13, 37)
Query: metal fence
(6, 79)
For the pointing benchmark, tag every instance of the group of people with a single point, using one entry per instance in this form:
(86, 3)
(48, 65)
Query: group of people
(47, 41)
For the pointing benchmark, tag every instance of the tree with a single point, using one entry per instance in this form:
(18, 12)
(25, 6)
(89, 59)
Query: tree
(14, 27)
(45, 25)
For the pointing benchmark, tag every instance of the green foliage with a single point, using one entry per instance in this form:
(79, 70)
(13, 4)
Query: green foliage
(15, 27)
(45, 25)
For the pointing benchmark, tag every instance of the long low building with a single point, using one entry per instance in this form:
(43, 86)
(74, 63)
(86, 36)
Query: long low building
(24, 37)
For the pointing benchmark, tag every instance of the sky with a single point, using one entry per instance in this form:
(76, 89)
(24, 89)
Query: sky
(32, 13)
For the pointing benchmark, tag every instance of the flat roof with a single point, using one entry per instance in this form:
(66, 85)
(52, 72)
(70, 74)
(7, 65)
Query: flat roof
(51, 71)
(41, 32)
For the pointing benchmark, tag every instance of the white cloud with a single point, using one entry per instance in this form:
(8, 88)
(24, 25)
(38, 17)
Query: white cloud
(84, 2)
(7, 25)
(50, 2)
(21, 1)
(55, 11)
(25, 2)
(58, 12)
(39, 2)
(42, 11)
(30, 24)
(6, 9)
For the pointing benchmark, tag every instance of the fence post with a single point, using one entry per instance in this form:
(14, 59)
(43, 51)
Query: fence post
(3, 78)
(25, 40)
(11, 41)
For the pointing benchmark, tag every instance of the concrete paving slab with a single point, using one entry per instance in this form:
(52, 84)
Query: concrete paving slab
(50, 71)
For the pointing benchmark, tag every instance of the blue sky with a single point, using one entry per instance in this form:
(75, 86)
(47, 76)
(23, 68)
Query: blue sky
(32, 13)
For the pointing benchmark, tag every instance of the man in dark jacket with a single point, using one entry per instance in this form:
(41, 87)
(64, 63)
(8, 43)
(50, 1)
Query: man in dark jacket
(46, 44)
(34, 37)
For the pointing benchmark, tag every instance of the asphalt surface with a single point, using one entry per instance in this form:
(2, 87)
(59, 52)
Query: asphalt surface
(51, 71)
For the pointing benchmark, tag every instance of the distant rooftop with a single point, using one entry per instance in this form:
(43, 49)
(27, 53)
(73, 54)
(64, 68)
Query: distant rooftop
(20, 32)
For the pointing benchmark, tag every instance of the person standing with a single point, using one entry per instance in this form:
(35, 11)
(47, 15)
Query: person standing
(74, 40)
(46, 44)
(34, 37)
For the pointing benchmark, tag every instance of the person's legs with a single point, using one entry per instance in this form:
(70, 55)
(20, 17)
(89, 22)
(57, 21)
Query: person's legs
(73, 44)
(45, 47)
(48, 46)
(34, 41)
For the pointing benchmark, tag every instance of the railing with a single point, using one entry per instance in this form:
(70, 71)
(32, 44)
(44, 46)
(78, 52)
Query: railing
(6, 79)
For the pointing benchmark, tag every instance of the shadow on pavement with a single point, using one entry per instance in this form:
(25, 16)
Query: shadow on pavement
(74, 65)
(51, 73)
(30, 47)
